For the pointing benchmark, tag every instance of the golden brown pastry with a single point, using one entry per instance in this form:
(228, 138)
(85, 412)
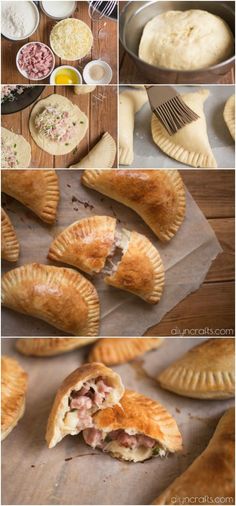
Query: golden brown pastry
(61, 297)
(85, 244)
(136, 429)
(10, 248)
(87, 389)
(211, 475)
(158, 196)
(48, 346)
(113, 351)
(36, 189)
(13, 389)
(204, 372)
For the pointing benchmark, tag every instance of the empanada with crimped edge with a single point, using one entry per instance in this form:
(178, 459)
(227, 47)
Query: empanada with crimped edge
(13, 390)
(206, 371)
(190, 145)
(61, 297)
(102, 155)
(85, 244)
(158, 196)
(36, 189)
(130, 102)
(229, 115)
(64, 419)
(211, 475)
(10, 247)
(49, 346)
(117, 350)
(137, 418)
(140, 270)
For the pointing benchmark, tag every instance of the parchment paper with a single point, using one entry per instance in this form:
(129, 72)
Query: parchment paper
(73, 473)
(187, 258)
(148, 155)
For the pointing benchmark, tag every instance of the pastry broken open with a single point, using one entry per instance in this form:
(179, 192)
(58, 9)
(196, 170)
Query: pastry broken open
(13, 389)
(158, 196)
(10, 247)
(49, 346)
(136, 429)
(61, 297)
(89, 388)
(91, 245)
(36, 189)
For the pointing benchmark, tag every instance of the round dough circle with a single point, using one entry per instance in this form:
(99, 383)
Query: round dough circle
(76, 115)
(19, 145)
(229, 115)
(186, 40)
(71, 39)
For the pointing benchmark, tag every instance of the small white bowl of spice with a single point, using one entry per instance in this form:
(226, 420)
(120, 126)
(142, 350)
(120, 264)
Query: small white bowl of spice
(19, 20)
(97, 72)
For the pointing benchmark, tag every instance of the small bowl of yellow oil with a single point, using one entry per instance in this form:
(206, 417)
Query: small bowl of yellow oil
(65, 74)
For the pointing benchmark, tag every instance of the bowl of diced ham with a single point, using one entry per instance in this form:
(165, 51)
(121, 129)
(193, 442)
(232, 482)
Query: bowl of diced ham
(35, 61)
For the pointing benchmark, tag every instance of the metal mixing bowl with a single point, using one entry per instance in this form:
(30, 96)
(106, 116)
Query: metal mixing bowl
(136, 14)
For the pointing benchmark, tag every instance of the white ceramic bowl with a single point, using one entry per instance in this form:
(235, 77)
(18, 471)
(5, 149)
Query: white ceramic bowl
(57, 17)
(17, 39)
(106, 78)
(23, 73)
(53, 74)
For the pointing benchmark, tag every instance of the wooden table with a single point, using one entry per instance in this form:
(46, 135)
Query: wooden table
(104, 46)
(212, 306)
(99, 106)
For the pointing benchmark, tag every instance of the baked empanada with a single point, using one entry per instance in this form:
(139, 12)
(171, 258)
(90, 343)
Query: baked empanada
(10, 248)
(140, 269)
(130, 102)
(48, 346)
(85, 244)
(61, 297)
(190, 145)
(86, 390)
(204, 372)
(13, 389)
(113, 351)
(102, 155)
(136, 429)
(229, 115)
(158, 196)
(211, 475)
(36, 189)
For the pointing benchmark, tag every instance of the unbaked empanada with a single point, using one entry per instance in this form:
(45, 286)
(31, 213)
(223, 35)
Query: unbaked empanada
(13, 389)
(158, 196)
(61, 297)
(211, 475)
(229, 115)
(102, 155)
(136, 429)
(83, 89)
(85, 244)
(36, 189)
(190, 145)
(130, 102)
(86, 390)
(113, 351)
(204, 372)
(48, 346)
(10, 248)
(140, 269)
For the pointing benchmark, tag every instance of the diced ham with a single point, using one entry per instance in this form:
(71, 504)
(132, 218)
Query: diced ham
(35, 60)
(93, 437)
(81, 402)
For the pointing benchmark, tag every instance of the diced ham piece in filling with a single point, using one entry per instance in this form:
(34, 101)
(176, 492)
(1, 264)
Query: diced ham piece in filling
(92, 395)
(35, 60)
(93, 437)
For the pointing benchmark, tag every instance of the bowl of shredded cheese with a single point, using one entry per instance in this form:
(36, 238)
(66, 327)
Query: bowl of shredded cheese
(71, 39)
(19, 20)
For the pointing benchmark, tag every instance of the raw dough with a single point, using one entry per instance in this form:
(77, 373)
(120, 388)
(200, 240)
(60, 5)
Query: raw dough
(130, 103)
(190, 145)
(83, 89)
(16, 145)
(229, 115)
(102, 155)
(186, 40)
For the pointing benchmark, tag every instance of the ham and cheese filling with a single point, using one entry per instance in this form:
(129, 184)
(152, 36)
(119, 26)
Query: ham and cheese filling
(8, 155)
(98, 439)
(85, 402)
(55, 124)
